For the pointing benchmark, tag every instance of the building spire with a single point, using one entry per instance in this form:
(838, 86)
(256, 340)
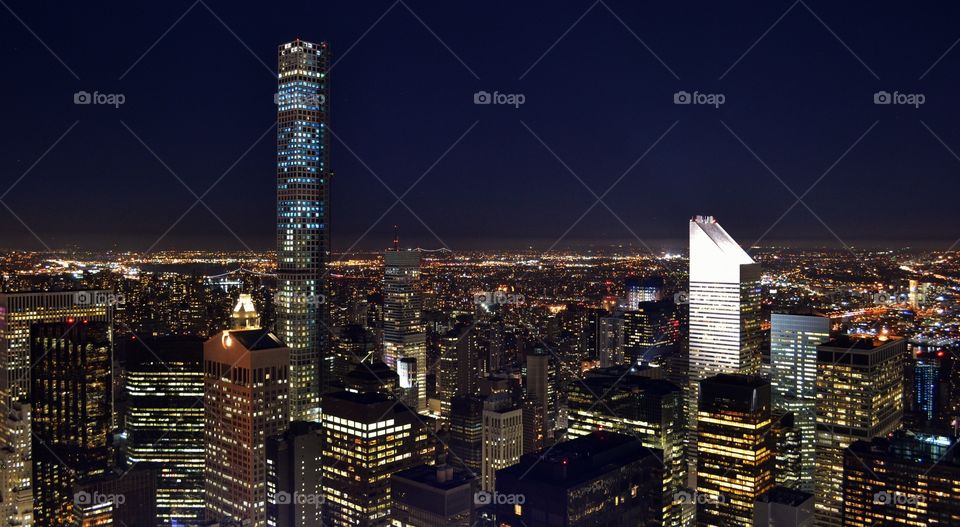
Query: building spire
(396, 238)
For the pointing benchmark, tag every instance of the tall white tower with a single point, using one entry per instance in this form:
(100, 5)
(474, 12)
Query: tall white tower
(724, 310)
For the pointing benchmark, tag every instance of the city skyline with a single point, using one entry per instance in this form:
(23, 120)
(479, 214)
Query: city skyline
(807, 121)
(535, 342)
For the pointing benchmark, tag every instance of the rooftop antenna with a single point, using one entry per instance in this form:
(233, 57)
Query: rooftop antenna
(396, 238)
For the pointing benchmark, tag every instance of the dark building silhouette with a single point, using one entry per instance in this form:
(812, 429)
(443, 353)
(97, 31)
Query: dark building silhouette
(70, 387)
(294, 476)
(431, 496)
(466, 433)
(602, 479)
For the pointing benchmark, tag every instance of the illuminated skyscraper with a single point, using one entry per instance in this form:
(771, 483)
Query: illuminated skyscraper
(540, 409)
(736, 460)
(16, 467)
(610, 341)
(617, 400)
(165, 421)
(303, 221)
(71, 383)
(793, 366)
(650, 330)
(859, 397)
(459, 371)
(502, 434)
(246, 384)
(724, 311)
(18, 311)
(404, 334)
(367, 438)
(903, 480)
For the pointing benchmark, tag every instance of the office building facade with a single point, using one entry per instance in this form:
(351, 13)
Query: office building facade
(793, 377)
(859, 397)
(404, 335)
(735, 462)
(246, 388)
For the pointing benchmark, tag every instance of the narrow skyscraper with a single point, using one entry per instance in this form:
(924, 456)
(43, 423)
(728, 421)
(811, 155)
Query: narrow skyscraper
(793, 376)
(71, 382)
(404, 335)
(303, 221)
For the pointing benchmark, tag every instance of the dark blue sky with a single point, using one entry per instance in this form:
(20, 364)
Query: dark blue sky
(598, 99)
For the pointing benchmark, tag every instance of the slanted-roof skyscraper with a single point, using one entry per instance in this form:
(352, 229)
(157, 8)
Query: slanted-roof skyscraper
(303, 220)
(724, 309)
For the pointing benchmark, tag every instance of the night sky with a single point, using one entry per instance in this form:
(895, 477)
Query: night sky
(202, 95)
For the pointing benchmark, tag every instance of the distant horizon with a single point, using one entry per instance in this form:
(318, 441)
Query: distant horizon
(505, 244)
